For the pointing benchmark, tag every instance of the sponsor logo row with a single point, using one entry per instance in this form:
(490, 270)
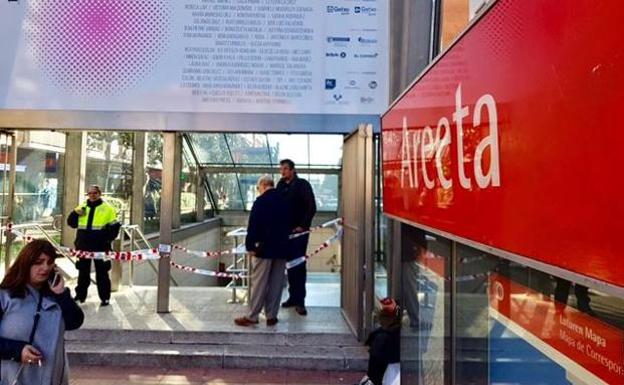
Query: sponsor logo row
(339, 98)
(346, 39)
(331, 84)
(357, 10)
(343, 55)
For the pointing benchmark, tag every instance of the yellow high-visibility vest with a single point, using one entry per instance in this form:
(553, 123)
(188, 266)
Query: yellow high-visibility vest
(105, 214)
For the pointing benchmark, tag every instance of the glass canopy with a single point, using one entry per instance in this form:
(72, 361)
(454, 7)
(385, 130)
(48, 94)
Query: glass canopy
(232, 164)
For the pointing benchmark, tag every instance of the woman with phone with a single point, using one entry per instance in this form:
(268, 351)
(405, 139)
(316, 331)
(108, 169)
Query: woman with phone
(35, 310)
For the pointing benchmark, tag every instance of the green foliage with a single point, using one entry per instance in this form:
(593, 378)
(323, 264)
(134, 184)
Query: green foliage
(154, 149)
(117, 203)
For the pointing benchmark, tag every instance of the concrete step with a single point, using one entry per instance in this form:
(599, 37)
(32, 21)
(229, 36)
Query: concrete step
(251, 337)
(229, 356)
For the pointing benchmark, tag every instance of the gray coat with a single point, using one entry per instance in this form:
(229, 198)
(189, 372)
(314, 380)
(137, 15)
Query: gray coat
(16, 326)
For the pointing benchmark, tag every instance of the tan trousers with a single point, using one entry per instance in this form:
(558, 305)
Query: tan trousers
(267, 283)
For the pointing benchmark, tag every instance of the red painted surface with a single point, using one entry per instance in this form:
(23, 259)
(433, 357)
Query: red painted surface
(591, 343)
(548, 78)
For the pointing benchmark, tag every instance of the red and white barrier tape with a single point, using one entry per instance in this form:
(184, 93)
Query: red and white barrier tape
(136, 255)
(289, 265)
(323, 246)
(153, 254)
(209, 273)
(214, 254)
(334, 222)
(207, 254)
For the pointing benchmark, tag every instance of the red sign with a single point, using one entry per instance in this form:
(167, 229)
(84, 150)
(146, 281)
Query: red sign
(512, 139)
(583, 340)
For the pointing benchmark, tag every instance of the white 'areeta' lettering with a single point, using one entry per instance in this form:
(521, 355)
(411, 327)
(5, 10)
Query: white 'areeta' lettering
(424, 145)
(442, 145)
(427, 148)
(406, 163)
(493, 175)
(458, 116)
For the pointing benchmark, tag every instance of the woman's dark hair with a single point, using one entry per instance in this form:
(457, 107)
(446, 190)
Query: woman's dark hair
(18, 276)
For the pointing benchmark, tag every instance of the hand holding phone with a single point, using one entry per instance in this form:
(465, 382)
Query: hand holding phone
(57, 285)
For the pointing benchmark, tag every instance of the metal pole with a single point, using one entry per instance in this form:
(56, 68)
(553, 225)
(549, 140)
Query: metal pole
(138, 180)
(166, 220)
(199, 195)
(176, 165)
(234, 283)
(11, 197)
(131, 272)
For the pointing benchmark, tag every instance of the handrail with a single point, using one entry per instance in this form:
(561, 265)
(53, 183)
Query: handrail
(130, 230)
(42, 231)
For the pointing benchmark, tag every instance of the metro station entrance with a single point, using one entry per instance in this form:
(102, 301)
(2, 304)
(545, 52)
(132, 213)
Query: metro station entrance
(207, 191)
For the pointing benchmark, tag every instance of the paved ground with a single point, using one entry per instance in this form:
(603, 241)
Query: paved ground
(147, 376)
(205, 309)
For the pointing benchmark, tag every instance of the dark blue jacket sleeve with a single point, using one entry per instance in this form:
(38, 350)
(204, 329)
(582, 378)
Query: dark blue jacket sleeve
(112, 230)
(254, 227)
(11, 349)
(72, 220)
(72, 314)
(309, 202)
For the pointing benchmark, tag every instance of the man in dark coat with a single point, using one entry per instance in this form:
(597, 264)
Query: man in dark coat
(267, 243)
(300, 197)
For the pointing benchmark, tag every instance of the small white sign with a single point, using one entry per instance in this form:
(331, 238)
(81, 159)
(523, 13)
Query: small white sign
(165, 249)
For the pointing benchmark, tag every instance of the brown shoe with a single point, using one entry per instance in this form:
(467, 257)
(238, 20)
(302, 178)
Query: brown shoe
(244, 321)
(301, 310)
(272, 321)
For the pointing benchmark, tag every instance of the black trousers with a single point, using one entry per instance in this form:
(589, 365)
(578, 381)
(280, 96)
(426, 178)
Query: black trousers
(101, 278)
(297, 276)
(562, 292)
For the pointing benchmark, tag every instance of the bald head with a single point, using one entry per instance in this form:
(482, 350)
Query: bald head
(265, 182)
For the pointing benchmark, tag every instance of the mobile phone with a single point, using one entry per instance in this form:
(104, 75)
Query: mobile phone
(54, 279)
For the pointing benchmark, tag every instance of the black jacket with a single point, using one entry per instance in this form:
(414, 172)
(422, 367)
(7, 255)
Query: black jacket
(269, 226)
(384, 349)
(91, 239)
(301, 199)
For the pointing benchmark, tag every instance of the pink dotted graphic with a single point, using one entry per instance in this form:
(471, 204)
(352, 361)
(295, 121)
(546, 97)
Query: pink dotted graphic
(97, 47)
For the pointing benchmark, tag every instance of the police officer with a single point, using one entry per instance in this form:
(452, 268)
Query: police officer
(299, 195)
(97, 226)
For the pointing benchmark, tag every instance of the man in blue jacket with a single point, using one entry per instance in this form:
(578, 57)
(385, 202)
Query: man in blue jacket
(267, 243)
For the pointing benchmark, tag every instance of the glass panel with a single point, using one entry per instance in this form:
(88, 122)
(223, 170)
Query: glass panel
(225, 188)
(245, 148)
(248, 183)
(517, 325)
(381, 229)
(153, 185)
(249, 148)
(211, 148)
(425, 337)
(109, 165)
(293, 147)
(326, 150)
(39, 176)
(325, 189)
(381, 272)
(471, 330)
(188, 187)
(456, 14)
